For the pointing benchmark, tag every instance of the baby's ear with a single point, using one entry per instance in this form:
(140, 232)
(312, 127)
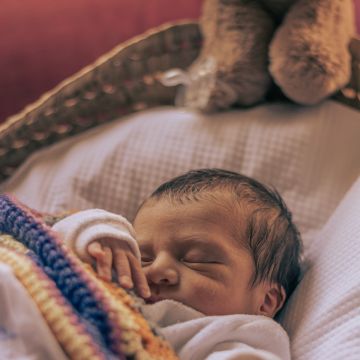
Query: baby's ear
(273, 299)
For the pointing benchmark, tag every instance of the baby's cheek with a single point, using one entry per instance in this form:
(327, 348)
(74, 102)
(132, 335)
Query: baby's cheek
(206, 296)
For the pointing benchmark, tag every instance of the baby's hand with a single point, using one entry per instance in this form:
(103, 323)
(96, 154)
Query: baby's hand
(110, 254)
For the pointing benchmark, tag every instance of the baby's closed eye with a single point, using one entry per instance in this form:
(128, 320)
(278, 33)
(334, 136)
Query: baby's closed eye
(146, 260)
(190, 257)
(199, 257)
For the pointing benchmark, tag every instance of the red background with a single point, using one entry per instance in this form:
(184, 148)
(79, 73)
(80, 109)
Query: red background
(42, 42)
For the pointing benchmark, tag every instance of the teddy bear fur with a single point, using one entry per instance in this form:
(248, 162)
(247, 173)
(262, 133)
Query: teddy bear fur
(301, 45)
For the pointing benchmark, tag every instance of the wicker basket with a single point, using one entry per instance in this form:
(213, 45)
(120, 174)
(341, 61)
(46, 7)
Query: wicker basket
(123, 81)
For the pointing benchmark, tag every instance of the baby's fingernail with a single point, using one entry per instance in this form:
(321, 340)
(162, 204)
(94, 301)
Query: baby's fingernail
(126, 281)
(146, 293)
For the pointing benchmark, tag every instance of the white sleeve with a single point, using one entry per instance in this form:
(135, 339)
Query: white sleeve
(82, 228)
(261, 339)
(228, 337)
(256, 338)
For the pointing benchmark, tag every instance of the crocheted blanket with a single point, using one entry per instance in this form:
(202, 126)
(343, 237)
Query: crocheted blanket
(89, 318)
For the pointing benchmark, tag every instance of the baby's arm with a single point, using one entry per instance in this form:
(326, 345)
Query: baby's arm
(250, 337)
(231, 337)
(108, 240)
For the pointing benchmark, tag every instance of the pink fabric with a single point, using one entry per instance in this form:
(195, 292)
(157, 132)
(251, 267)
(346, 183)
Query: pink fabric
(43, 42)
(357, 14)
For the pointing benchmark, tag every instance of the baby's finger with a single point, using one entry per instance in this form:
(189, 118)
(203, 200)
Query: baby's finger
(139, 277)
(122, 267)
(104, 264)
(95, 250)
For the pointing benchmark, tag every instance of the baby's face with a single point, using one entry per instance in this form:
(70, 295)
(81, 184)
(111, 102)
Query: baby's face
(189, 254)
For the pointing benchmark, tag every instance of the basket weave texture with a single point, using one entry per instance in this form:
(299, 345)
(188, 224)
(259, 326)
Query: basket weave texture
(121, 82)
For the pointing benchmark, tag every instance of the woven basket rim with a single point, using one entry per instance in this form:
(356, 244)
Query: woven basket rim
(13, 119)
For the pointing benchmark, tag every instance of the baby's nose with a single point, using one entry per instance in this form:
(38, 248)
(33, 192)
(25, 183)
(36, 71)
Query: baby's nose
(162, 271)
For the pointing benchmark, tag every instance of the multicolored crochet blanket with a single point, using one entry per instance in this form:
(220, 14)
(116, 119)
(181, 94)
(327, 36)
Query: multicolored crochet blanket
(89, 318)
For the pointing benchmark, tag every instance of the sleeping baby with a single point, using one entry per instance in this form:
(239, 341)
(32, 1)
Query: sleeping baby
(213, 253)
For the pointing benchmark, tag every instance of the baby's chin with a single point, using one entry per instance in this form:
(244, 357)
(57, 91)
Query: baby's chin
(156, 299)
(153, 299)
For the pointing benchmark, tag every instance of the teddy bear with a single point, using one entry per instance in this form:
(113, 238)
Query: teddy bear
(248, 45)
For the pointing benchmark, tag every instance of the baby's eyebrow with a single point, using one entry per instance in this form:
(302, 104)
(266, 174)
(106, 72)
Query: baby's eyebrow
(188, 243)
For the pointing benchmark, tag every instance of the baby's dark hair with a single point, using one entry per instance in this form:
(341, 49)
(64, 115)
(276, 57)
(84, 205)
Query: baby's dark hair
(270, 235)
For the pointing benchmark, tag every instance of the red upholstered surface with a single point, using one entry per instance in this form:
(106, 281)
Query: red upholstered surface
(42, 42)
(357, 14)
